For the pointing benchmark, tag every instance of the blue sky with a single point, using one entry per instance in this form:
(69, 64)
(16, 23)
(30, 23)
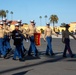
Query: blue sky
(27, 10)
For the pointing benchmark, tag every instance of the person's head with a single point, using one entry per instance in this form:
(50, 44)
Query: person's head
(9, 24)
(19, 22)
(32, 22)
(4, 20)
(48, 24)
(6, 23)
(67, 26)
(17, 26)
(21, 25)
(1, 24)
(62, 30)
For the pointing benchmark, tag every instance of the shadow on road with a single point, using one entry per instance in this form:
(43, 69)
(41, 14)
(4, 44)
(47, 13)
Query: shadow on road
(72, 59)
(48, 60)
(43, 53)
(22, 73)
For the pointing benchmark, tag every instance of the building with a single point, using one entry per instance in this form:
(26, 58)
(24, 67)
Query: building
(72, 26)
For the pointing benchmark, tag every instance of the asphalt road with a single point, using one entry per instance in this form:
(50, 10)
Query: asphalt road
(42, 65)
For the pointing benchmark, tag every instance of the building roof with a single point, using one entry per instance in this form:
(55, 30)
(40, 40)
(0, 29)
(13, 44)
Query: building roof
(13, 22)
(73, 23)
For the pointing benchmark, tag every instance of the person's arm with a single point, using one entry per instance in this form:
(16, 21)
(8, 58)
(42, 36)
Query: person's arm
(24, 32)
(12, 35)
(27, 31)
(36, 30)
(63, 36)
(62, 39)
(45, 32)
(72, 35)
(54, 33)
(6, 31)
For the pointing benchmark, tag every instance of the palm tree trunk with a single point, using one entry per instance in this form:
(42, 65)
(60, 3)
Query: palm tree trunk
(40, 22)
(45, 20)
(7, 15)
(11, 16)
(53, 27)
(2, 17)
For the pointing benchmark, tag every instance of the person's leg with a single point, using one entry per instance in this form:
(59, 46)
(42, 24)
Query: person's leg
(30, 48)
(2, 47)
(0, 54)
(22, 50)
(47, 50)
(8, 46)
(69, 48)
(33, 46)
(65, 49)
(34, 49)
(19, 51)
(15, 54)
(50, 45)
(5, 46)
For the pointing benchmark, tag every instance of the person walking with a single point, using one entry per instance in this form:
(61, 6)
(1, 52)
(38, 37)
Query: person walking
(8, 37)
(23, 31)
(48, 37)
(18, 38)
(66, 40)
(31, 30)
(2, 34)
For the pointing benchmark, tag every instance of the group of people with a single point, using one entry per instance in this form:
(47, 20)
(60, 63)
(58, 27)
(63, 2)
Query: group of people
(65, 39)
(18, 34)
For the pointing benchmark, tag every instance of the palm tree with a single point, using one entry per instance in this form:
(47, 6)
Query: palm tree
(40, 19)
(11, 15)
(7, 13)
(53, 19)
(45, 18)
(63, 24)
(2, 13)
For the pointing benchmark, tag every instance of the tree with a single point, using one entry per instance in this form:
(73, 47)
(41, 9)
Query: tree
(11, 15)
(45, 18)
(7, 13)
(42, 31)
(63, 24)
(53, 19)
(2, 13)
(40, 19)
(25, 23)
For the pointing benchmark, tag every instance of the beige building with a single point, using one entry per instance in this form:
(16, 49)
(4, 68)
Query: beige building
(72, 26)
